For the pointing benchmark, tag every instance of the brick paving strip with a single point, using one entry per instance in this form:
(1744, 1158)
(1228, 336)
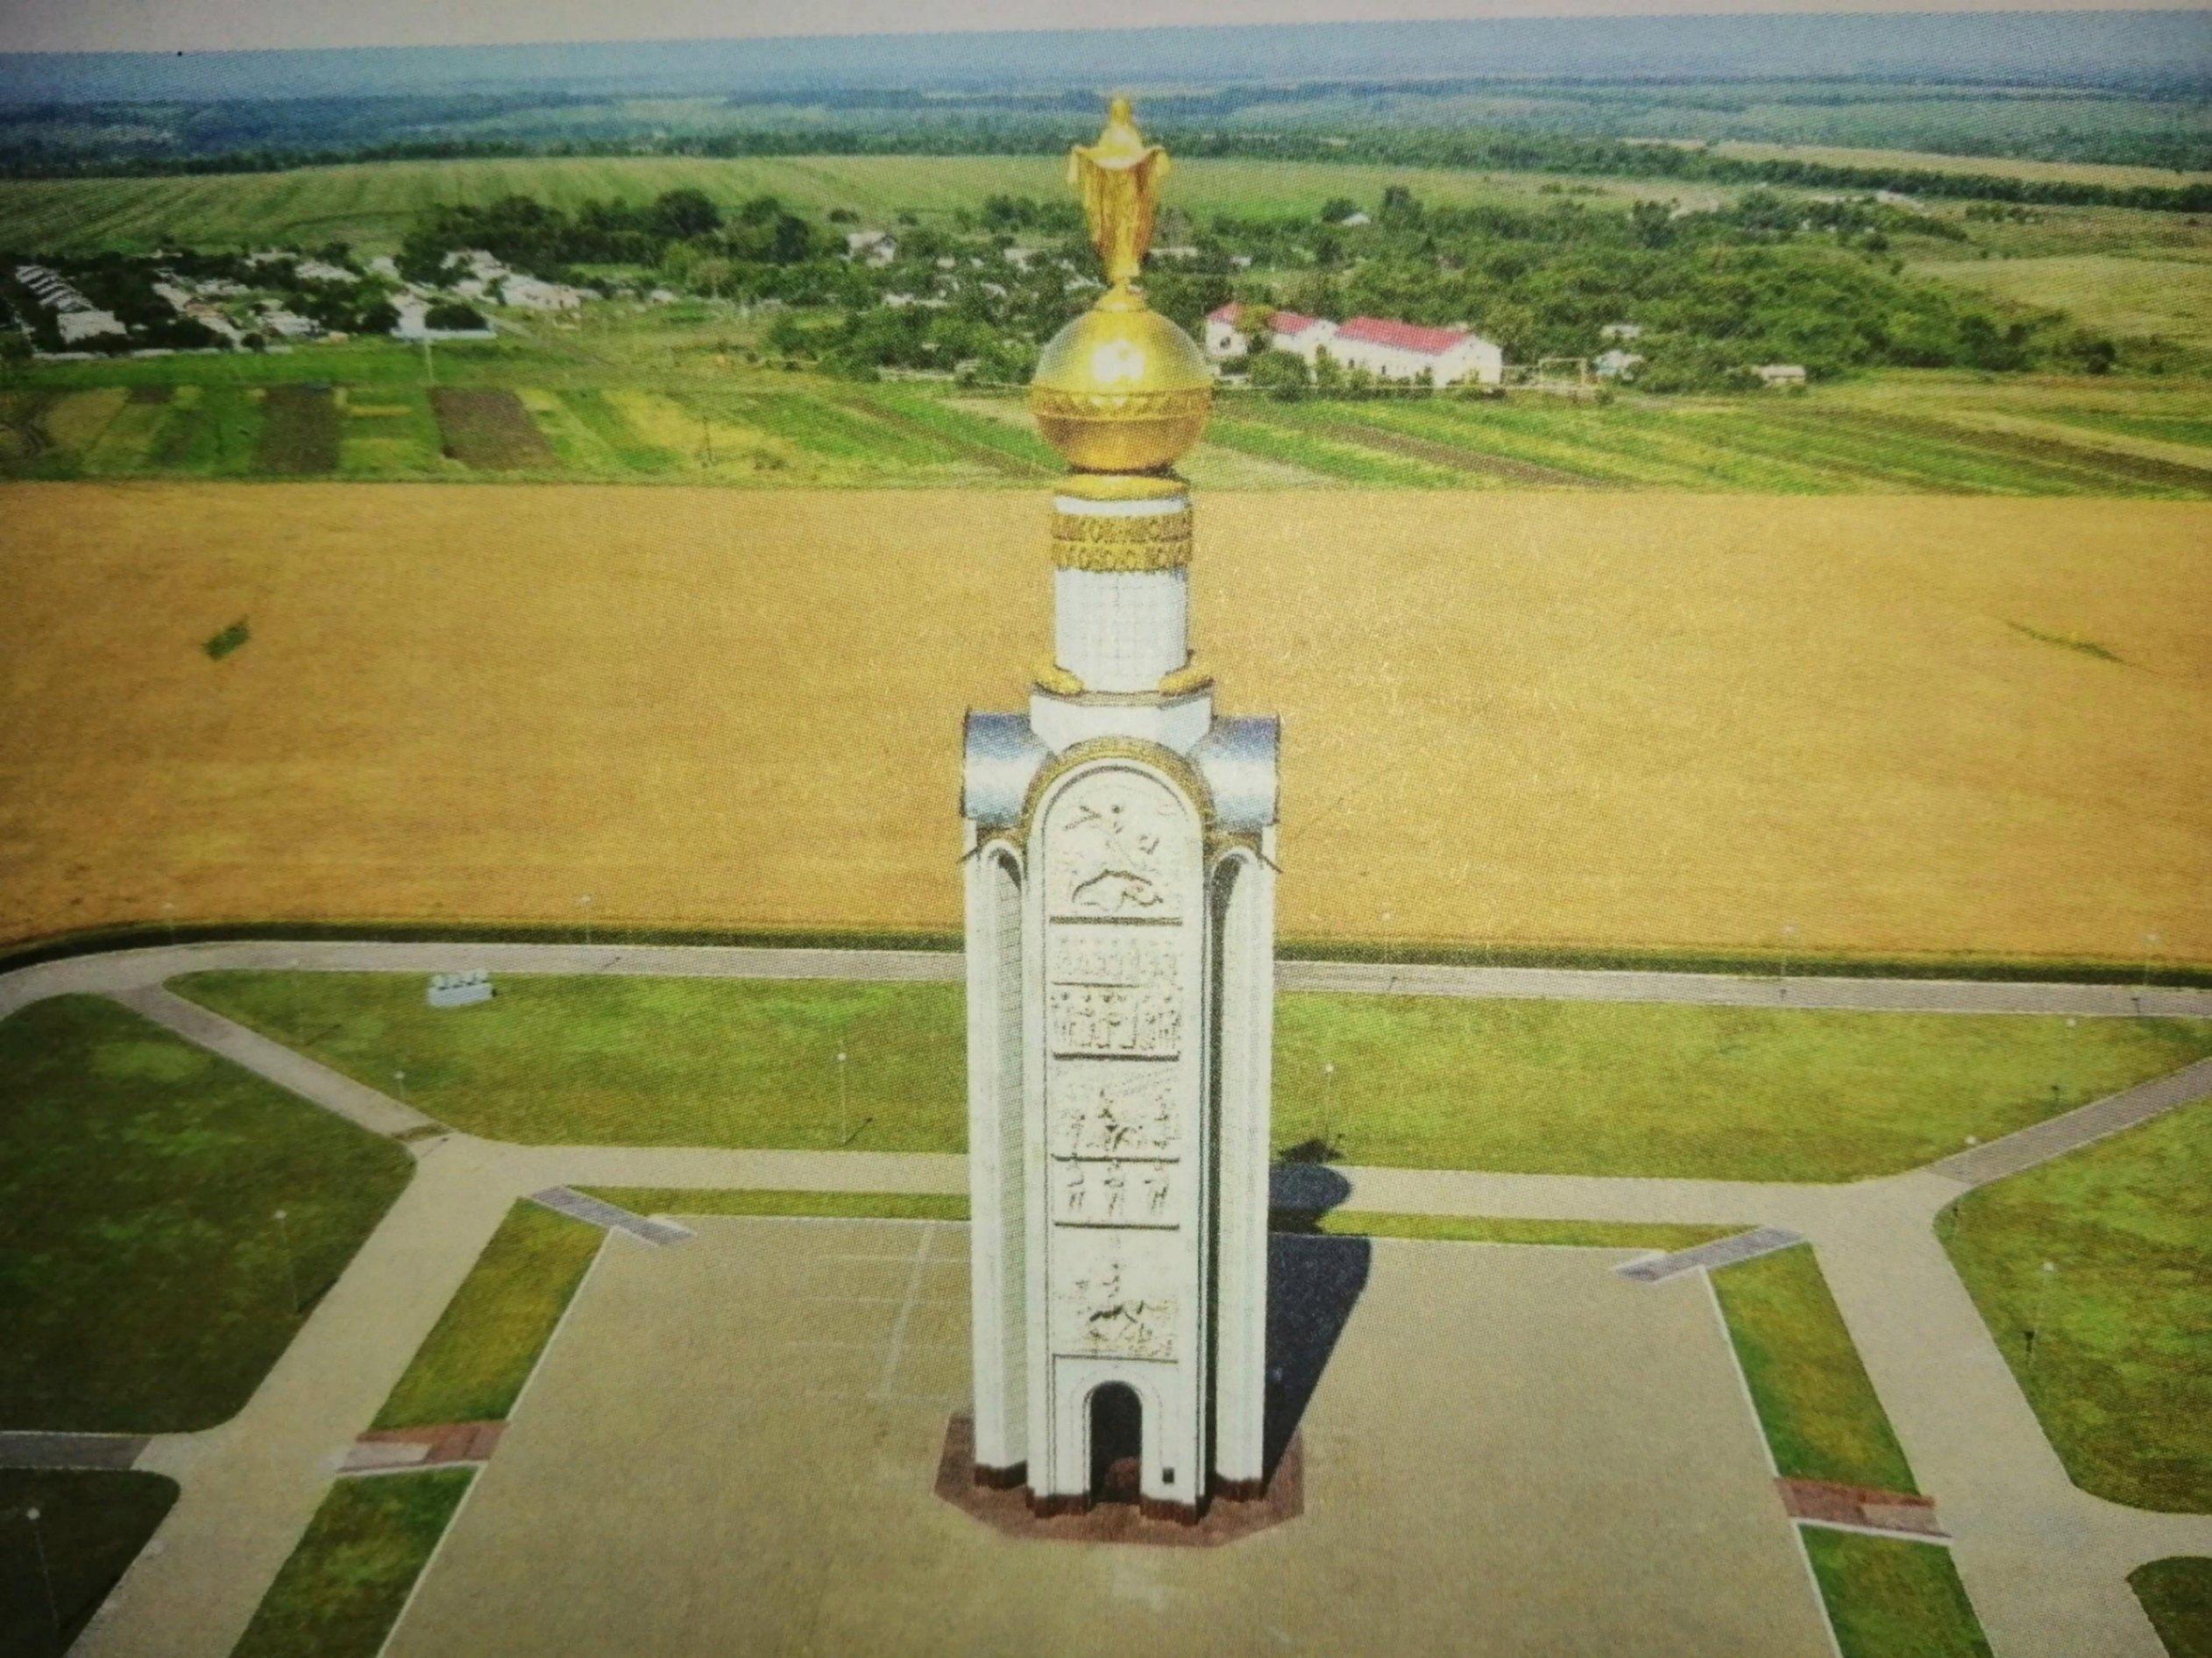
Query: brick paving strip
(391, 1450)
(71, 1451)
(2041, 1142)
(1819, 1502)
(564, 1199)
(1724, 1251)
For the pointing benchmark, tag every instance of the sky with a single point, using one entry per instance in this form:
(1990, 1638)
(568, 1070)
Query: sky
(190, 25)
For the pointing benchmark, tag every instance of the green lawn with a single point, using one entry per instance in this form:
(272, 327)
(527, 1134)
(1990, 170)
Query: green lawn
(145, 1285)
(2177, 1594)
(2121, 1368)
(344, 1585)
(472, 1365)
(1736, 1093)
(1822, 1418)
(92, 1525)
(1890, 1598)
(1429, 1082)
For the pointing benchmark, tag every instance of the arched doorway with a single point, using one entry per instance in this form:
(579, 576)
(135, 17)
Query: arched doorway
(1117, 1444)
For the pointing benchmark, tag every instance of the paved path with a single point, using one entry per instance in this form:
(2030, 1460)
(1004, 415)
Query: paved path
(1711, 1258)
(128, 969)
(609, 1217)
(2040, 1142)
(2047, 1563)
(71, 1451)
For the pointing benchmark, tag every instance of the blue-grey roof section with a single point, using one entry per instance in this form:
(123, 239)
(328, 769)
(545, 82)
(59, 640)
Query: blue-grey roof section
(1002, 755)
(1236, 758)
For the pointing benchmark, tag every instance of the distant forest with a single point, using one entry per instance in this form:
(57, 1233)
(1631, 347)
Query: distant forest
(1478, 149)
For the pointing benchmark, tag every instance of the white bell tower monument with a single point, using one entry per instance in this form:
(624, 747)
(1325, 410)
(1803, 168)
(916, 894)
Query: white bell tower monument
(1120, 923)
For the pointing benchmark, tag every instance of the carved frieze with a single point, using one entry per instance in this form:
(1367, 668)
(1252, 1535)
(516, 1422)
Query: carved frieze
(1109, 851)
(1112, 1192)
(1119, 1111)
(1110, 1311)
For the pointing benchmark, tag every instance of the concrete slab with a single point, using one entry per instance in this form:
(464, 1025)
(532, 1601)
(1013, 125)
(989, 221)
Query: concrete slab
(1508, 1451)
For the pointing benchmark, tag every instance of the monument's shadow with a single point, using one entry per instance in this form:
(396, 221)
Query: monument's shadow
(1314, 1280)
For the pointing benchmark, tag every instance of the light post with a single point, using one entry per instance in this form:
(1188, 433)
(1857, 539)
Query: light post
(2150, 945)
(586, 902)
(169, 919)
(1788, 937)
(841, 1115)
(291, 1271)
(2042, 1296)
(46, 1574)
(1327, 1106)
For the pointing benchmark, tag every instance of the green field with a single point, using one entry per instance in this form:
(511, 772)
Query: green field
(372, 205)
(344, 1586)
(1569, 1087)
(91, 1525)
(664, 395)
(149, 1293)
(2125, 296)
(2116, 1370)
(472, 1365)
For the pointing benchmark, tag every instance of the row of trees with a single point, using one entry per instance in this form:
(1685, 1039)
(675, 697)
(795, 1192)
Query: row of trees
(547, 241)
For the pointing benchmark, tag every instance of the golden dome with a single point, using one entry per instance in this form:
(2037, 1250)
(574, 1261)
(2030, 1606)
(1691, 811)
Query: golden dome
(1121, 388)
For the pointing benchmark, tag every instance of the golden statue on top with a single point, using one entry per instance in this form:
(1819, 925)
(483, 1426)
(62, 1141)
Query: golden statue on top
(1118, 179)
(1121, 389)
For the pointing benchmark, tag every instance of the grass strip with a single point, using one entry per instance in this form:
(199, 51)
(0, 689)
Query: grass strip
(472, 1365)
(2109, 1345)
(2177, 1595)
(865, 1205)
(1820, 1411)
(91, 1524)
(1887, 1597)
(1492, 1229)
(346, 1582)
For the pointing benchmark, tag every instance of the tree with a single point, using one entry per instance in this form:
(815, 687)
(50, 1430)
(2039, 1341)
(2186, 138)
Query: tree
(1338, 209)
(682, 215)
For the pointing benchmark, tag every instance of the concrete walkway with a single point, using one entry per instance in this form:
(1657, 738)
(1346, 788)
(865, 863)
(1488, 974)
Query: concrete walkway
(130, 969)
(2046, 1562)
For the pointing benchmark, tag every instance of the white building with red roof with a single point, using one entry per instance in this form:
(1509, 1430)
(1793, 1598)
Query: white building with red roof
(1406, 352)
(1302, 336)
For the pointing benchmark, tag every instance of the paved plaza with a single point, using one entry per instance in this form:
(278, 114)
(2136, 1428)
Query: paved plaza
(731, 1445)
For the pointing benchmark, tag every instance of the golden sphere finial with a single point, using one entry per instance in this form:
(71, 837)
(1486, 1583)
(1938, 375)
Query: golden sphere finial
(1121, 388)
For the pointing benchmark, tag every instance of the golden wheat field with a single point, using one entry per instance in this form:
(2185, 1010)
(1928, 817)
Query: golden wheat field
(1893, 725)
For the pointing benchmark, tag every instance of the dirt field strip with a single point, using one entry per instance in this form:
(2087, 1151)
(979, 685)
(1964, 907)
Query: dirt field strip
(489, 430)
(1580, 717)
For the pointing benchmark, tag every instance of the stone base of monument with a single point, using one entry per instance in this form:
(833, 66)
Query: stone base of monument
(996, 1497)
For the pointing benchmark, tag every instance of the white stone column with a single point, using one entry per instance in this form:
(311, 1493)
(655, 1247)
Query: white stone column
(998, 1234)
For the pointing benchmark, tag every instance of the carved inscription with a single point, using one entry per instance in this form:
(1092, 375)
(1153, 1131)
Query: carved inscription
(1145, 1020)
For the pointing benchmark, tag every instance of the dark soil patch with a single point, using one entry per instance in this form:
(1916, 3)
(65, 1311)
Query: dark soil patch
(489, 430)
(973, 448)
(2086, 462)
(299, 431)
(1450, 456)
(155, 394)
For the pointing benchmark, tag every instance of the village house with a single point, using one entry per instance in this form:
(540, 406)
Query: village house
(1405, 351)
(1616, 365)
(871, 247)
(1780, 376)
(76, 317)
(1622, 332)
(1302, 336)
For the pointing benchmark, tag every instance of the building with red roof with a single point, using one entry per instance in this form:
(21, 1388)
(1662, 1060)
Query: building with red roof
(1376, 345)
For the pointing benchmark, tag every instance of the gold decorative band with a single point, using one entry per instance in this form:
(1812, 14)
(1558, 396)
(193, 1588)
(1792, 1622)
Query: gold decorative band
(1177, 403)
(1154, 540)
